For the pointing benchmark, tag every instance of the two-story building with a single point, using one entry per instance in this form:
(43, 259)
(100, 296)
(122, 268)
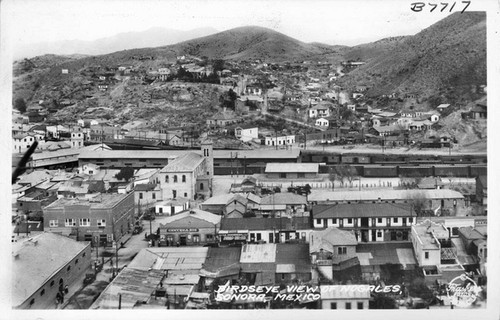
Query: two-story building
(371, 222)
(188, 175)
(102, 219)
(333, 250)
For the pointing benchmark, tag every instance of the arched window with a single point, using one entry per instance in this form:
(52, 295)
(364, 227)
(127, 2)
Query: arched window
(175, 178)
(166, 178)
(183, 178)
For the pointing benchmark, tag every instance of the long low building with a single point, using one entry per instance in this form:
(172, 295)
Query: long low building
(436, 199)
(292, 170)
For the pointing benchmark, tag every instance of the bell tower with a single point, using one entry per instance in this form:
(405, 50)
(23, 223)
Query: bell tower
(208, 155)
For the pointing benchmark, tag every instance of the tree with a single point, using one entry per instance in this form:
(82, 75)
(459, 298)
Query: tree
(218, 65)
(418, 203)
(125, 173)
(20, 105)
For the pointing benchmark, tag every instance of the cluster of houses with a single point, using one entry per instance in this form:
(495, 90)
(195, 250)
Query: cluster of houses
(242, 237)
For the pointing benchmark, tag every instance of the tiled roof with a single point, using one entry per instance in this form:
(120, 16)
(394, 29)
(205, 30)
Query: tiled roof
(358, 210)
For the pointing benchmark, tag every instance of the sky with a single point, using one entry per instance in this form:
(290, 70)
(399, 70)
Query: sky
(332, 22)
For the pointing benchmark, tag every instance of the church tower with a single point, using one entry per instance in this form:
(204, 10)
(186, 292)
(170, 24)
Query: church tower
(208, 155)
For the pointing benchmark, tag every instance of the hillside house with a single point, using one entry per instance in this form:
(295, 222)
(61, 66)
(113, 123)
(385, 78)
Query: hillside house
(246, 133)
(322, 122)
(283, 140)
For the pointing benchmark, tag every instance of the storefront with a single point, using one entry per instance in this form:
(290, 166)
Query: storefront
(190, 228)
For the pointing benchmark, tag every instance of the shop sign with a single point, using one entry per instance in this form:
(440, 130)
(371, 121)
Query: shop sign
(183, 230)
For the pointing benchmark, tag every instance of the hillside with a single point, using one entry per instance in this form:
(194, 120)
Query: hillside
(153, 37)
(443, 62)
(253, 43)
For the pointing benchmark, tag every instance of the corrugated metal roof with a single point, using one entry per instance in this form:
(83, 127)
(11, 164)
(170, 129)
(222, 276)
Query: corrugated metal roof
(258, 253)
(172, 258)
(189, 215)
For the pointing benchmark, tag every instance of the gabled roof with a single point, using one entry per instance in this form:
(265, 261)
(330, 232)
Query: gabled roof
(192, 214)
(225, 199)
(185, 163)
(326, 239)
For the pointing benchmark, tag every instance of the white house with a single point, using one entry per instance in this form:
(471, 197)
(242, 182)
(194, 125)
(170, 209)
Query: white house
(322, 122)
(280, 140)
(345, 296)
(246, 133)
(172, 206)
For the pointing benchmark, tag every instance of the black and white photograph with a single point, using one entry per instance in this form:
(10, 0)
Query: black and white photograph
(249, 159)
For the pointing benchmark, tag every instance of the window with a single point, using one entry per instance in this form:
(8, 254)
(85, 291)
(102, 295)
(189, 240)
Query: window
(76, 261)
(348, 305)
(85, 222)
(360, 305)
(426, 255)
(259, 237)
(349, 220)
(395, 220)
(70, 223)
(196, 238)
(183, 178)
(282, 276)
(52, 283)
(140, 195)
(342, 250)
(101, 222)
(68, 268)
(166, 178)
(153, 195)
(318, 221)
(32, 302)
(84, 254)
(379, 234)
(42, 292)
(201, 186)
(160, 210)
(53, 223)
(410, 220)
(185, 194)
(210, 237)
(379, 220)
(333, 305)
(175, 178)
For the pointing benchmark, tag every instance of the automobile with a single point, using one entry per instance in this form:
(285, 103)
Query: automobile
(148, 216)
(89, 278)
(138, 229)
